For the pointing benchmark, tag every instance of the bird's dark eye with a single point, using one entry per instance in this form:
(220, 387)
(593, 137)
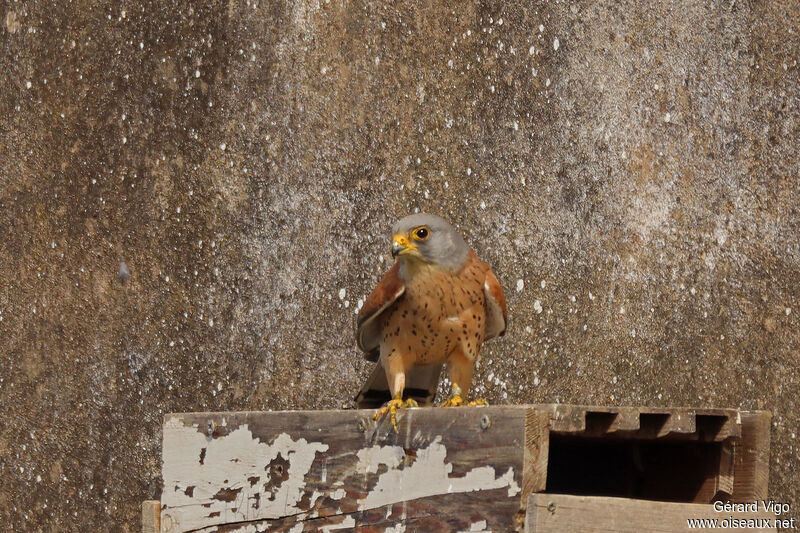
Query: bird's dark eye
(421, 233)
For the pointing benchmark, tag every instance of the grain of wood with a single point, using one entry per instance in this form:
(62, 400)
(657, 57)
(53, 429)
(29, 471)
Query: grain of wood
(537, 440)
(751, 462)
(561, 513)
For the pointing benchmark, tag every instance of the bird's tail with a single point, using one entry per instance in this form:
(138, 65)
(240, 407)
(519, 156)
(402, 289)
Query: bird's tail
(421, 385)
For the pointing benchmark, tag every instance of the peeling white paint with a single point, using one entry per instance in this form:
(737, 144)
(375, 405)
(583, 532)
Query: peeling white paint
(477, 527)
(428, 475)
(227, 464)
(369, 459)
(249, 528)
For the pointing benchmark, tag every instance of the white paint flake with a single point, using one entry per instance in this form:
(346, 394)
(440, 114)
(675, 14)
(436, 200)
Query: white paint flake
(477, 527)
(369, 459)
(520, 285)
(249, 528)
(342, 293)
(537, 306)
(228, 463)
(556, 44)
(429, 475)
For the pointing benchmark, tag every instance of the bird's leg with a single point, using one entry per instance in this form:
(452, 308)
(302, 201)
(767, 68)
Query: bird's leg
(396, 376)
(460, 370)
(455, 399)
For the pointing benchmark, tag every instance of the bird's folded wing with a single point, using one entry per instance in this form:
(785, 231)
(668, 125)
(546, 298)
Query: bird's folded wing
(389, 290)
(496, 313)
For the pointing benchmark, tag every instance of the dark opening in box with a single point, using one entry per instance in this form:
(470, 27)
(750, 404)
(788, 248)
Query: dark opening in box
(653, 469)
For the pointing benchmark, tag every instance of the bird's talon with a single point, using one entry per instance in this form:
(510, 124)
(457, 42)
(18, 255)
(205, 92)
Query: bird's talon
(391, 407)
(457, 401)
(453, 401)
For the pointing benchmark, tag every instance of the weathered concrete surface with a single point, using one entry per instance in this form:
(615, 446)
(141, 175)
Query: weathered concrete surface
(634, 163)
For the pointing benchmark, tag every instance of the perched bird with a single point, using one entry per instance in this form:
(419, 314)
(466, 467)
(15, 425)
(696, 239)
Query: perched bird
(436, 305)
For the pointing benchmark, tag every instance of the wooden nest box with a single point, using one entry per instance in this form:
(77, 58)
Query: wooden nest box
(534, 468)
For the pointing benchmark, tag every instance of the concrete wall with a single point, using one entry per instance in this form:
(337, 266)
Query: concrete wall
(629, 168)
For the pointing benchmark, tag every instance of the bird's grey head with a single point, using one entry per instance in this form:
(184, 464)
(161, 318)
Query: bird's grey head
(430, 239)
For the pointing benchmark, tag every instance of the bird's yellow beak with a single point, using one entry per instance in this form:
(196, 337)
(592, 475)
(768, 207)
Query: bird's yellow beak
(401, 245)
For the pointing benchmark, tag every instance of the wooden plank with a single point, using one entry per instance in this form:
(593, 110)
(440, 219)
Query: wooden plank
(561, 513)
(683, 423)
(448, 512)
(316, 470)
(535, 456)
(537, 445)
(151, 516)
(751, 461)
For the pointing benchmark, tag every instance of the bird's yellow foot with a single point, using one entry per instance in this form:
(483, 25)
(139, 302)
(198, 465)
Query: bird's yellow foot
(391, 407)
(453, 401)
(457, 401)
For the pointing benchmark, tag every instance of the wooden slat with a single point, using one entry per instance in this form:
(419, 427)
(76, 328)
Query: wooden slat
(305, 470)
(559, 513)
(751, 463)
(151, 516)
(708, 425)
(535, 455)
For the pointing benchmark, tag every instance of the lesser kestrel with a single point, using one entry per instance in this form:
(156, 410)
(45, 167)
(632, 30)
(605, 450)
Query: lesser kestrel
(436, 305)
